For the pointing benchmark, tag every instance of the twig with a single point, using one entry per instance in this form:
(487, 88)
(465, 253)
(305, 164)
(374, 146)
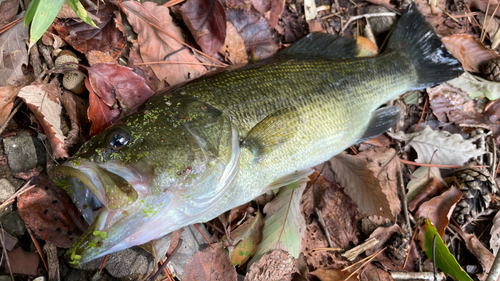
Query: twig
(416, 276)
(11, 199)
(411, 243)
(178, 62)
(388, 14)
(103, 263)
(11, 115)
(323, 225)
(442, 166)
(494, 270)
(11, 24)
(5, 252)
(167, 261)
(422, 115)
(203, 236)
(365, 263)
(40, 253)
(434, 267)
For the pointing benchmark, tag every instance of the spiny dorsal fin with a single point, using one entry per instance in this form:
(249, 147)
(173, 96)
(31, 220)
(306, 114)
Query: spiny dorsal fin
(382, 120)
(322, 45)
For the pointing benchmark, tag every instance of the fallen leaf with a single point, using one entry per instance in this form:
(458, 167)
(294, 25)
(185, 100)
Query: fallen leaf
(277, 8)
(108, 37)
(118, 85)
(386, 166)
(444, 259)
(483, 255)
(440, 208)
(492, 27)
(50, 214)
(209, 265)
(100, 114)
(440, 146)
(469, 51)
(152, 23)
(234, 46)
(7, 96)
(374, 273)
(206, 20)
(14, 53)
(144, 71)
(255, 31)
(9, 241)
(295, 26)
(9, 11)
(450, 104)
(476, 86)
(277, 265)
(328, 274)
(441, 23)
(365, 47)
(246, 238)
(420, 179)
(43, 101)
(483, 6)
(361, 185)
(284, 225)
(431, 189)
(495, 234)
(22, 262)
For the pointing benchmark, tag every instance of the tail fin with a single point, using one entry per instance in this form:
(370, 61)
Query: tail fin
(415, 37)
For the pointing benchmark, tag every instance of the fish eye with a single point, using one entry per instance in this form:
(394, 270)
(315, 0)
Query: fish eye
(118, 138)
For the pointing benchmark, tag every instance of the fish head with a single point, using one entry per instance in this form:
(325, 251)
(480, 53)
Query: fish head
(146, 177)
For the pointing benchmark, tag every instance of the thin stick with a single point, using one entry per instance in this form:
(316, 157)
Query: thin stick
(442, 166)
(172, 3)
(422, 115)
(11, 24)
(40, 253)
(5, 253)
(167, 261)
(167, 272)
(103, 263)
(411, 244)
(388, 14)
(22, 190)
(11, 115)
(203, 236)
(365, 263)
(178, 62)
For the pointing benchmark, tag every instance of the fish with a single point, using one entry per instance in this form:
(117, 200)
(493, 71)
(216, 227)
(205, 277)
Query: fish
(196, 150)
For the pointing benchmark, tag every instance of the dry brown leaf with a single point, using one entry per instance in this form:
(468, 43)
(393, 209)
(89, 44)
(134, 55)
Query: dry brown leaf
(277, 265)
(14, 53)
(9, 11)
(234, 47)
(361, 184)
(327, 274)
(443, 25)
(433, 187)
(375, 273)
(7, 96)
(209, 265)
(438, 210)
(483, 255)
(156, 46)
(483, 6)
(469, 51)
(43, 101)
(22, 262)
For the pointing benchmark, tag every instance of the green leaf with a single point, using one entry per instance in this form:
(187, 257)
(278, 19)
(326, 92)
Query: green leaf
(444, 259)
(81, 12)
(284, 225)
(46, 12)
(30, 13)
(476, 86)
(248, 236)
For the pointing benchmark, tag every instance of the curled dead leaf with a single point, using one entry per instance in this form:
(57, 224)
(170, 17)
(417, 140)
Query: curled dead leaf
(469, 51)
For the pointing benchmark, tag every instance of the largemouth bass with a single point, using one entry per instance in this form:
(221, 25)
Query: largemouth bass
(189, 154)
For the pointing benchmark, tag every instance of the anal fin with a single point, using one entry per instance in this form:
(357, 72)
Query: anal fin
(381, 121)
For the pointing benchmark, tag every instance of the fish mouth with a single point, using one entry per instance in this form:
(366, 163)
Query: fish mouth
(101, 193)
(92, 186)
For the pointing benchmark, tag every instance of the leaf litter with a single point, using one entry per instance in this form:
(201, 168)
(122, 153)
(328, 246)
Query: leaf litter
(334, 214)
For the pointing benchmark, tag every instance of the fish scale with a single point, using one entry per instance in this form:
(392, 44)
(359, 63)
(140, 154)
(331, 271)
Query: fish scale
(202, 148)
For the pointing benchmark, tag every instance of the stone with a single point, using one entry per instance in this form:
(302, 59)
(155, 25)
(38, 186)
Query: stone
(24, 152)
(6, 190)
(192, 243)
(13, 224)
(380, 24)
(5, 278)
(130, 264)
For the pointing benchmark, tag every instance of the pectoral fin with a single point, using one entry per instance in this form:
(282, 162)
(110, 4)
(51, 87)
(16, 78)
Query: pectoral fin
(273, 131)
(382, 120)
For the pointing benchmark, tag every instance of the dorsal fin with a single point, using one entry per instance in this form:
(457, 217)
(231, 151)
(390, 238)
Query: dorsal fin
(322, 45)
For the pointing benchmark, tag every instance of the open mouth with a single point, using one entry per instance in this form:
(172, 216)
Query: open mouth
(92, 187)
